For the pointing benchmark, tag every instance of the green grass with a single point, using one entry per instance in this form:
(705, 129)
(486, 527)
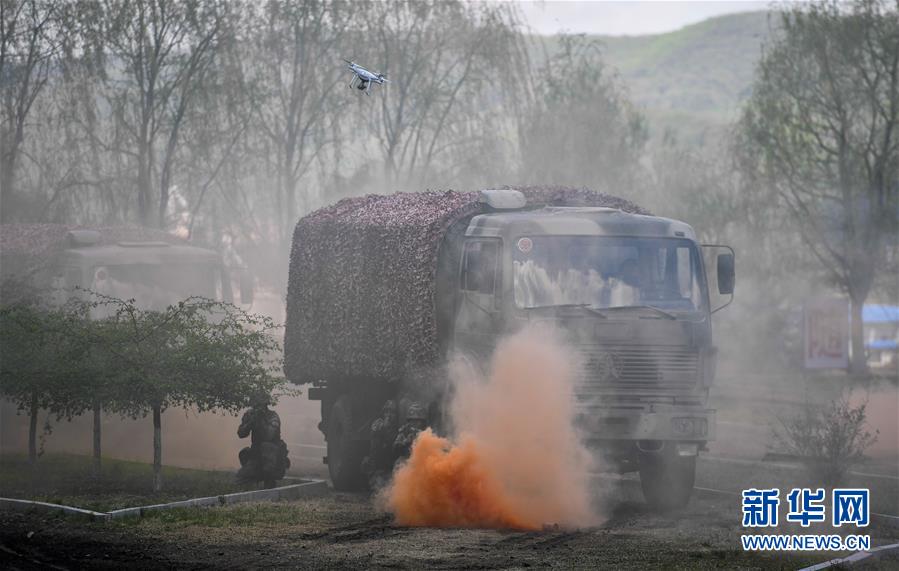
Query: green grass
(241, 515)
(67, 479)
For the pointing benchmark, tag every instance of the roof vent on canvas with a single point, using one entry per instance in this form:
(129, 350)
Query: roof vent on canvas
(503, 199)
(83, 238)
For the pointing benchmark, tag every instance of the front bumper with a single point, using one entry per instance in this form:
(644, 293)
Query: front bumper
(684, 424)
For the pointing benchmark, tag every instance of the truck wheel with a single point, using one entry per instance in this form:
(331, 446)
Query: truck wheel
(666, 478)
(344, 454)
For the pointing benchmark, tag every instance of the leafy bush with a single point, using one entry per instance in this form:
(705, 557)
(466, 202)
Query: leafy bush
(828, 440)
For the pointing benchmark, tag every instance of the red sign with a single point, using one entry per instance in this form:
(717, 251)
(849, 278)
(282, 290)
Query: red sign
(827, 334)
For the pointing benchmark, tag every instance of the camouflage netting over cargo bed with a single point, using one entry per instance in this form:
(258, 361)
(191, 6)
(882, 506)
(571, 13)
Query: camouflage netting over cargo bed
(361, 291)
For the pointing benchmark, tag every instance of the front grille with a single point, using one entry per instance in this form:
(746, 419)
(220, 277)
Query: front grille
(659, 368)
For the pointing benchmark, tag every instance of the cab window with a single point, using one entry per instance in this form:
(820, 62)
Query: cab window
(479, 267)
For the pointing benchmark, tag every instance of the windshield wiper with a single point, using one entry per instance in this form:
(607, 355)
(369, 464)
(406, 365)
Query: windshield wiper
(651, 307)
(589, 307)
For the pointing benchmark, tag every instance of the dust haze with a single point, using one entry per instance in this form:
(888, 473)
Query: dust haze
(258, 137)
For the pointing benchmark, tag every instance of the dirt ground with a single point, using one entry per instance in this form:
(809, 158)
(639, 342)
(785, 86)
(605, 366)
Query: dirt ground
(346, 531)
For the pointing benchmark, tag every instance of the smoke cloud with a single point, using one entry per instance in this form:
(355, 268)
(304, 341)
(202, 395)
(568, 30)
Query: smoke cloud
(515, 460)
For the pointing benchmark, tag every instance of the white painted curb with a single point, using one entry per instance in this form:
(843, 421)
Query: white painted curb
(28, 505)
(852, 559)
(309, 488)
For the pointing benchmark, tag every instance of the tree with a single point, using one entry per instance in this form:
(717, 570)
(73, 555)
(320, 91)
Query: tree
(582, 131)
(105, 353)
(294, 52)
(198, 354)
(43, 363)
(53, 360)
(451, 66)
(159, 53)
(33, 34)
(821, 133)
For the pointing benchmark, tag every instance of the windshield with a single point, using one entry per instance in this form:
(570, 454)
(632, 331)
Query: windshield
(606, 272)
(155, 286)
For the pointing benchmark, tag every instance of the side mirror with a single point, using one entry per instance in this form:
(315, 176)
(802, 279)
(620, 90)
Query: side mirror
(726, 274)
(246, 286)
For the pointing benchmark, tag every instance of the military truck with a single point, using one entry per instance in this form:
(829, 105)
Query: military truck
(152, 267)
(384, 289)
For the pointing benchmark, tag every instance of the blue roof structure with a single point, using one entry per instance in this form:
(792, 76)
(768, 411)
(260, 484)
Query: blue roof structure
(876, 313)
(883, 344)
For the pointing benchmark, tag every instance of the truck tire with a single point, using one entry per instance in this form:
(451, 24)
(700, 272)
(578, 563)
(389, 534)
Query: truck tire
(666, 478)
(344, 454)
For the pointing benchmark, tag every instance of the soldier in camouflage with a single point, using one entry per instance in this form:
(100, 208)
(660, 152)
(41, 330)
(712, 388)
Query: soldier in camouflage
(392, 436)
(265, 460)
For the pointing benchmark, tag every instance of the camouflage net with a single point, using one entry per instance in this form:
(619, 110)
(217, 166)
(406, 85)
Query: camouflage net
(362, 285)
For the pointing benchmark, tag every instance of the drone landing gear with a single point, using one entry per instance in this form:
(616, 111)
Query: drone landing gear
(360, 84)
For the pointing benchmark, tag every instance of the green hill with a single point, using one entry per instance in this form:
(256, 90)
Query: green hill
(692, 80)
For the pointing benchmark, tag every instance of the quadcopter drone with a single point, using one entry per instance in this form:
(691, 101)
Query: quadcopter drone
(362, 78)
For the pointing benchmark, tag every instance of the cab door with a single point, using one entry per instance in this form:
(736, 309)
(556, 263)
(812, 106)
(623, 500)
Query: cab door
(478, 321)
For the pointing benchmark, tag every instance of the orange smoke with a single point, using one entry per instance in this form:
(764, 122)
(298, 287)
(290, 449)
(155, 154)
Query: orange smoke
(446, 485)
(516, 461)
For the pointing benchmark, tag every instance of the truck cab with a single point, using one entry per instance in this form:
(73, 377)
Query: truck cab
(154, 274)
(631, 293)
